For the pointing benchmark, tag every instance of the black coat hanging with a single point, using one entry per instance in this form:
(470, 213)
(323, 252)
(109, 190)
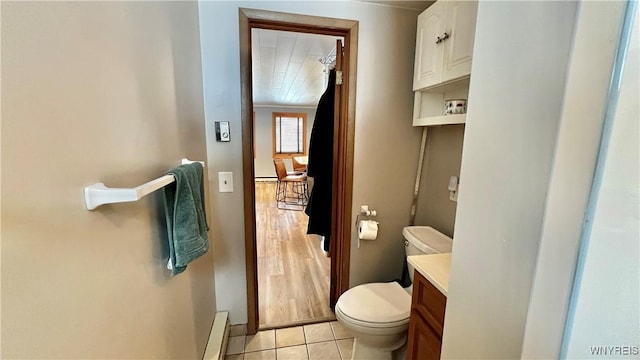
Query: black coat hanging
(320, 164)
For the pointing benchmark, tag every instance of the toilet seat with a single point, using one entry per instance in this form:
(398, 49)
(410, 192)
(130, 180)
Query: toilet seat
(376, 305)
(373, 325)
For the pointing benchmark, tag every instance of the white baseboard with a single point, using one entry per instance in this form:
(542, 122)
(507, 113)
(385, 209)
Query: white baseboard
(218, 338)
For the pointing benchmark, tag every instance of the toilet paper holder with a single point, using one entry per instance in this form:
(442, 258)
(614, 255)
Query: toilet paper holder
(365, 212)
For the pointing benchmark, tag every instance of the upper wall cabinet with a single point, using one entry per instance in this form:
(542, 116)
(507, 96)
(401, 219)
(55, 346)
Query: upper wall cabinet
(444, 43)
(444, 49)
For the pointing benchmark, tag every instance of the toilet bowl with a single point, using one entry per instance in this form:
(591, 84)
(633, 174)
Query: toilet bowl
(377, 314)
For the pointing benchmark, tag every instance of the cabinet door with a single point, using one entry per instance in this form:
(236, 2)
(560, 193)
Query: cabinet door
(423, 343)
(458, 51)
(428, 62)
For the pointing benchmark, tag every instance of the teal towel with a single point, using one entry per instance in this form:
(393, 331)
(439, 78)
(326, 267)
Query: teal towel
(186, 219)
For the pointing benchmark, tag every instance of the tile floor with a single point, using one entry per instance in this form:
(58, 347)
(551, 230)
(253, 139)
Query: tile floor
(323, 341)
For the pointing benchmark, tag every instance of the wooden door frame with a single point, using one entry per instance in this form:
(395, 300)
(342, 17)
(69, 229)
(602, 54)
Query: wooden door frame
(344, 130)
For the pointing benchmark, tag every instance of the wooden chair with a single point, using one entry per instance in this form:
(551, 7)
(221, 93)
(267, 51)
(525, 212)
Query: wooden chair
(298, 167)
(291, 190)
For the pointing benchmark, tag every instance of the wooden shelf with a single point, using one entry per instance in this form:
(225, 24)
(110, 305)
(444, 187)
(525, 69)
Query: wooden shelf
(448, 85)
(440, 120)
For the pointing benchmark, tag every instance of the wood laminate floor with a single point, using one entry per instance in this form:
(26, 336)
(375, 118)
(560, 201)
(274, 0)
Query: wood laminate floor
(293, 272)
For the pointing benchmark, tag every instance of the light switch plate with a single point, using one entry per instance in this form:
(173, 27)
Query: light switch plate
(225, 181)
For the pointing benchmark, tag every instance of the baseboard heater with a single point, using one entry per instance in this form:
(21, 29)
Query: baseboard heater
(266, 179)
(218, 338)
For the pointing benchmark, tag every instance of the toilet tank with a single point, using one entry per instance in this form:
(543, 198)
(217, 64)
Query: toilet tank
(424, 240)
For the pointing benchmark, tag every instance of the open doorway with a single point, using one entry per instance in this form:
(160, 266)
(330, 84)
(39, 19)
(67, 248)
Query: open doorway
(343, 129)
(290, 71)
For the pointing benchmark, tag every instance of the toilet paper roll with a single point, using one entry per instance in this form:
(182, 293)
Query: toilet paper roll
(367, 230)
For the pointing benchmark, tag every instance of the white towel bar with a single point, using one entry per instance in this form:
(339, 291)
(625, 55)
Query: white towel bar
(98, 194)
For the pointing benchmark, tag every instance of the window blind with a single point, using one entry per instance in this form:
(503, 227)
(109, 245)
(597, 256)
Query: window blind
(289, 135)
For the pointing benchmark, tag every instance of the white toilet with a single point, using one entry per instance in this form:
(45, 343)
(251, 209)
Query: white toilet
(377, 314)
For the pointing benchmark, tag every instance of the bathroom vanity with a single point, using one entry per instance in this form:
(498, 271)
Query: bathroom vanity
(428, 303)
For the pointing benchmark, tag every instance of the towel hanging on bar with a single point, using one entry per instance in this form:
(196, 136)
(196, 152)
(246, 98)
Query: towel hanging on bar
(186, 218)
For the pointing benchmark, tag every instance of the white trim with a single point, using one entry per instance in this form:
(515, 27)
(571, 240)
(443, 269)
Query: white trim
(394, 4)
(218, 338)
(285, 106)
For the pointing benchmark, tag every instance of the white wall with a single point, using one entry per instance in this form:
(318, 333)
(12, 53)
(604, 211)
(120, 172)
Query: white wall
(264, 137)
(515, 100)
(386, 145)
(589, 75)
(98, 92)
(605, 309)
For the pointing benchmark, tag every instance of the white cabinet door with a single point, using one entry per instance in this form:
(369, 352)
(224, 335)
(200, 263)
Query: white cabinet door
(458, 50)
(428, 62)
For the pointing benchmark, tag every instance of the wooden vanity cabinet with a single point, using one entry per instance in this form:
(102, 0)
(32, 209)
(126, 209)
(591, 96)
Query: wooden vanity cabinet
(426, 321)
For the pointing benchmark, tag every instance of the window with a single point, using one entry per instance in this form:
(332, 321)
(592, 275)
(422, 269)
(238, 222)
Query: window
(289, 131)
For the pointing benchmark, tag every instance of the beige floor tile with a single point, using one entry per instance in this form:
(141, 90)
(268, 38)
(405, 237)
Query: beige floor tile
(339, 331)
(262, 340)
(345, 346)
(292, 353)
(327, 350)
(289, 336)
(261, 355)
(234, 357)
(237, 330)
(318, 333)
(235, 345)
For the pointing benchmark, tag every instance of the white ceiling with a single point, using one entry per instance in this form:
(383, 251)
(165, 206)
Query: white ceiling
(285, 67)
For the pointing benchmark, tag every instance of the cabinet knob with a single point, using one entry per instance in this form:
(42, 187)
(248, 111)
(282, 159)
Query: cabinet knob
(444, 37)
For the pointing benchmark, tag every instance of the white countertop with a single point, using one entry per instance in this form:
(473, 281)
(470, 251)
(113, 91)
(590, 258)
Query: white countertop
(434, 268)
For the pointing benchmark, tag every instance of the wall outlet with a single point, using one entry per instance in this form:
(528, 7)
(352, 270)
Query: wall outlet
(453, 188)
(453, 195)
